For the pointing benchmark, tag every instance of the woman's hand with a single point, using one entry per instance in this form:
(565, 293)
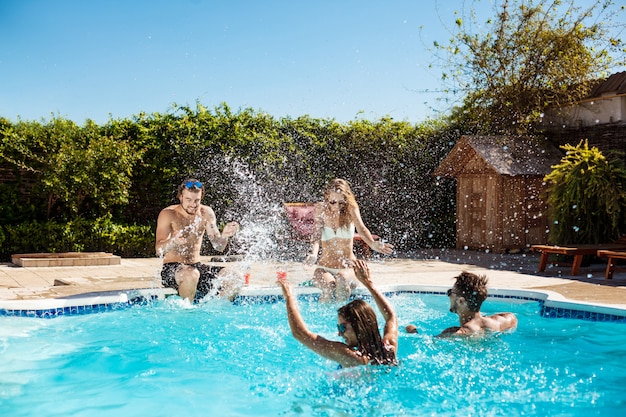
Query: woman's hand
(284, 285)
(362, 272)
(382, 247)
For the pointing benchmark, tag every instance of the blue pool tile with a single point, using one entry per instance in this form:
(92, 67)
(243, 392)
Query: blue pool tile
(544, 311)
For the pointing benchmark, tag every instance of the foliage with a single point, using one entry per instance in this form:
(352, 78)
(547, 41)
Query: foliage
(14, 206)
(97, 235)
(251, 163)
(587, 197)
(531, 56)
(79, 169)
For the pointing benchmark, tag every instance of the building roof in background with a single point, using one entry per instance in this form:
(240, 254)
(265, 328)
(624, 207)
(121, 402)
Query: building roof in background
(505, 155)
(616, 84)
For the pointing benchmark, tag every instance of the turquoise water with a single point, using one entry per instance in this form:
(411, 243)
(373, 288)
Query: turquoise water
(220, 359)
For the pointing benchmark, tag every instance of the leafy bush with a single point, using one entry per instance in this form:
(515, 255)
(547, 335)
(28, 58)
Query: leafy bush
(586, 197)
(127, 171)
(82, 235)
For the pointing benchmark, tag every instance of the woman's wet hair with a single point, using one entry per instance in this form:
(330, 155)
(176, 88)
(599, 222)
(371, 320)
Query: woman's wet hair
(362, 318)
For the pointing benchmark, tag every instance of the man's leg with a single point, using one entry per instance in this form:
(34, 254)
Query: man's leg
(187, 279)
(229, 282)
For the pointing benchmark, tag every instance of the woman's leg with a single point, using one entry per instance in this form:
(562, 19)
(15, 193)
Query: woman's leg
(326, 282)
(343, 281)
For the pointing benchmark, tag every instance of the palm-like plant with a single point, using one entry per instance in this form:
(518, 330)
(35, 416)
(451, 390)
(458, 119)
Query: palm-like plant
(586, 197)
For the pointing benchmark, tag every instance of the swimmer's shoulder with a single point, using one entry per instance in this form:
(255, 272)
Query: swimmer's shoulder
(500, 322)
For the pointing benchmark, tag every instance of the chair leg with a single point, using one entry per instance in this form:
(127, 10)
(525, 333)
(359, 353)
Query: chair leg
(543, 261)
(578, 259)
(609, 269)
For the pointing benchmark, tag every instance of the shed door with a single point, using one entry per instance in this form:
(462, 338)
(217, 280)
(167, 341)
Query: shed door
(473, 230)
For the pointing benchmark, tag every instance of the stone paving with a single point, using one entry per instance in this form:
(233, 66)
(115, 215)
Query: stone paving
(427, 267)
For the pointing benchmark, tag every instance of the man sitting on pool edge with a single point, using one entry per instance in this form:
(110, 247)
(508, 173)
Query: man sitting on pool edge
(179, 233)
(466, 297)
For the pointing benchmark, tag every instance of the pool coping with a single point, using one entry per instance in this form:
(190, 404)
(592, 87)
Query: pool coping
(553, 304)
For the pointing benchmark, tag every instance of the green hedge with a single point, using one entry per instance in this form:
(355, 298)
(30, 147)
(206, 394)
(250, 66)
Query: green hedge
(81, 235)
(58, 174)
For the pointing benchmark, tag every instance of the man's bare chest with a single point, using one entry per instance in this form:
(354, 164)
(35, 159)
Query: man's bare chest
(189, 225)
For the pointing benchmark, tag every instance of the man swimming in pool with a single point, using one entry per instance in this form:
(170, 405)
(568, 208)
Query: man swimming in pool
(466, 297)
(179, 233)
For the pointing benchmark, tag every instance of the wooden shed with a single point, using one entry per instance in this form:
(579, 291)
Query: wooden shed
(500, 200)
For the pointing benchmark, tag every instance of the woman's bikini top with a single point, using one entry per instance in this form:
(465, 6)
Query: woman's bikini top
(346, 232)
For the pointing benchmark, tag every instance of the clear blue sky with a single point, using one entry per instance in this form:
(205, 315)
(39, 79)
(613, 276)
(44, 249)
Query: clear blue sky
(88, 59)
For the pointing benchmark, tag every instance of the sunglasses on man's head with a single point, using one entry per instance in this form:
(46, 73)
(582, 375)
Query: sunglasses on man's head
(451, 291)
(341, 328)
(192, 184)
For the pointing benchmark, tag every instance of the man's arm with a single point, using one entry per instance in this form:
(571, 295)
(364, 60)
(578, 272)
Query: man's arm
(454, 331)
(217, 239)
(163, 232)
(505, 321)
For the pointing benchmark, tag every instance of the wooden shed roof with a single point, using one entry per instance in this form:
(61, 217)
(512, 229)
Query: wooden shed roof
(503, 154)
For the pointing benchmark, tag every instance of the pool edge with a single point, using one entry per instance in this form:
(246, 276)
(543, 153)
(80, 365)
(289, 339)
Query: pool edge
(553, 304)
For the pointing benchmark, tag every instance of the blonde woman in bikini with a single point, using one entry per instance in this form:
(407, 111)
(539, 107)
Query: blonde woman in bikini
(335, 221)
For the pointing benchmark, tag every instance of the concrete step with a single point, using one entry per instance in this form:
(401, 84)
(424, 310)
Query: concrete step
(31, 260)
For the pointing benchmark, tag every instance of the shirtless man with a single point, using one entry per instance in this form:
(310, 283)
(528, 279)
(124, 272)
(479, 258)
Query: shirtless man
(466, 297)
(179, 233)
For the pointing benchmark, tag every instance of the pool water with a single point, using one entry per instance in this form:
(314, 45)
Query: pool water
(222, 359)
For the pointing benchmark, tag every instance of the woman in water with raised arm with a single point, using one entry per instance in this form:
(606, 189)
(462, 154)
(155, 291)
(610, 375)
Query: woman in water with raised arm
(356, 323)
(335, 220)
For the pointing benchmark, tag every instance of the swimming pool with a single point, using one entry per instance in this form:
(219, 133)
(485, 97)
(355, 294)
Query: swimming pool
(218, 358)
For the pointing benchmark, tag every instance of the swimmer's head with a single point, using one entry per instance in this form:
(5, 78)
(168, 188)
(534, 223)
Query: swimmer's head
(471, 287)
(362, 319)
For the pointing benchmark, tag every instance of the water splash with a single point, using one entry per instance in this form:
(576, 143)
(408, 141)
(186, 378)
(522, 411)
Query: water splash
(264, 233)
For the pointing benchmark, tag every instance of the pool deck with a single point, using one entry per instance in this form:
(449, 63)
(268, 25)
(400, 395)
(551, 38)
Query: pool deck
(426, 268)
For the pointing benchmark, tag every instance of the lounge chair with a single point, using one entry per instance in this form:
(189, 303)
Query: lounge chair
(612, 255)
(300, 217)
(577, 251)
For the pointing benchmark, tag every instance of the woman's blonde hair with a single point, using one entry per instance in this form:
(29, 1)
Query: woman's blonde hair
(342, 187)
